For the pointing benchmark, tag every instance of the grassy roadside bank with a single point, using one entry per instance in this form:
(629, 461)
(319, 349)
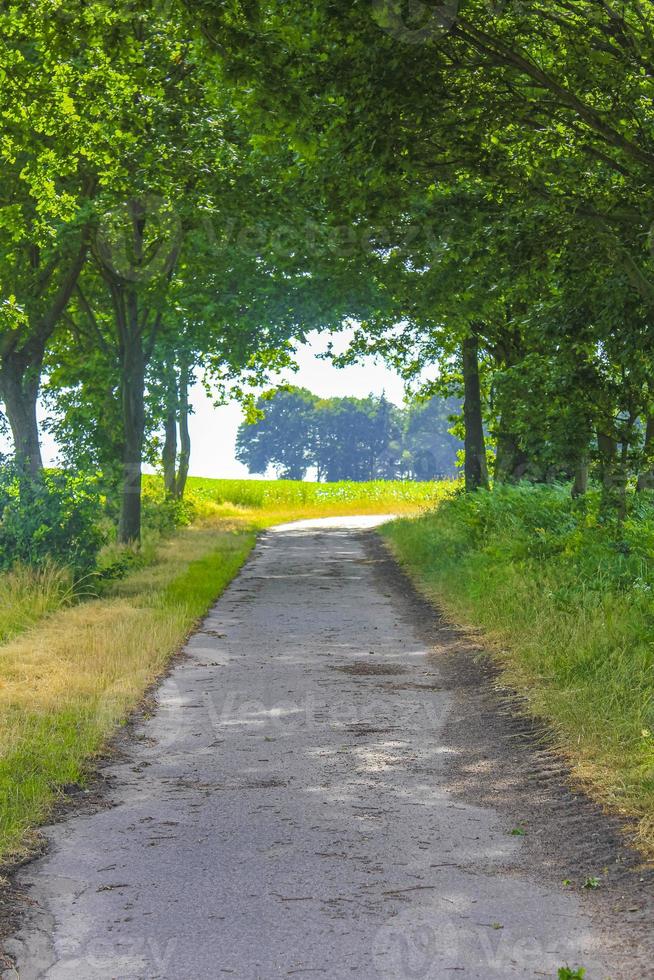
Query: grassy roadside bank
(73, 667)
(69, 681)
(566, 604)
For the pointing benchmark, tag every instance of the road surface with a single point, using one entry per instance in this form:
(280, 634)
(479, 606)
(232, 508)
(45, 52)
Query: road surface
(286, 812)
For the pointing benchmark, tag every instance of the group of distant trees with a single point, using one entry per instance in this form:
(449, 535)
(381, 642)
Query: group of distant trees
(349, 438)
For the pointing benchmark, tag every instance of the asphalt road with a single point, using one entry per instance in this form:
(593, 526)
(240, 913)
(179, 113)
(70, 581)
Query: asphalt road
(285, 811)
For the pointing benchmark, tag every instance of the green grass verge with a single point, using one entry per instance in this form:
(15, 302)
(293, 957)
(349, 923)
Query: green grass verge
(567, 605)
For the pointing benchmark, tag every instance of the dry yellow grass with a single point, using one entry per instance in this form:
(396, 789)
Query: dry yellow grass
(66, 683)
(28, 594)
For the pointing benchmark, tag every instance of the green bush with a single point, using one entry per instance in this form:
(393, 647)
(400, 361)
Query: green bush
(162, 514)
(55, 517)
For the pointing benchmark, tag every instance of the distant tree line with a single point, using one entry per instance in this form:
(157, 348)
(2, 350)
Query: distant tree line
(349, 438)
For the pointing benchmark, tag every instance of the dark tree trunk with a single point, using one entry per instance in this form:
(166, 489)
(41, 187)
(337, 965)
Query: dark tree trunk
(646, 477)
(613, 474)
(476, 466)
(21, 360)
(184, 433)
(511, 462)
(137, 327)
(133, 411)
(607, 449)
(580, 485)
(19, 390)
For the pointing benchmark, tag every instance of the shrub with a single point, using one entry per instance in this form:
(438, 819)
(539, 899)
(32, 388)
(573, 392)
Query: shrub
(54, 517)
(162, 514)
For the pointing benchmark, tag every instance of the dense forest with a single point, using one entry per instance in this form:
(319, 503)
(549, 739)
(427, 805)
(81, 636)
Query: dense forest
(189, 188)
(349, 438)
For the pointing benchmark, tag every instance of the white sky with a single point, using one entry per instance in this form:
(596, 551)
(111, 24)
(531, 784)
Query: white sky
(213, 430)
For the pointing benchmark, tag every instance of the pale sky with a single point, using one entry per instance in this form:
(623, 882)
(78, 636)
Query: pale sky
(213, 430)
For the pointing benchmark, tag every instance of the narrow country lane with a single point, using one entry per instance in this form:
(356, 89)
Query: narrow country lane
(287, 810)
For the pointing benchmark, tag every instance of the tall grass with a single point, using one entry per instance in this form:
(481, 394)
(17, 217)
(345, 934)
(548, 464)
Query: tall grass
(567, 604)
(28, 594)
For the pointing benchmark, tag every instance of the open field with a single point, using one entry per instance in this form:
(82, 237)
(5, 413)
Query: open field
(565, 603)
(73, 666)
(290, 499)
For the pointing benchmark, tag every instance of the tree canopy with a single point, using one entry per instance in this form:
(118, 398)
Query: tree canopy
(189, 188)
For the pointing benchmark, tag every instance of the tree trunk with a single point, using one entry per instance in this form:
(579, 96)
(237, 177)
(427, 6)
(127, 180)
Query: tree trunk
(646, 477)
(184, 433)
(19, 389)
(177, 414)
(133, 411)
(580, 486)
(613, 474)
(511, 462)
(476, 466)
(169, 453)
(21, 361)
(607, 448)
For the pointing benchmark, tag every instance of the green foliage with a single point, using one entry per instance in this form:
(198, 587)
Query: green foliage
(282, 436)
(160, 513)
(495, 176)
(54, 517)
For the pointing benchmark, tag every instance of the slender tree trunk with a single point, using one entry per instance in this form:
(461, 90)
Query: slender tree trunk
(169, 453)
(176, 472)
(184, 432)
(580, 485)
(476, 466)
(19, 390)
(613, 473)
(623, 474)
(646, 477)
(133, 411)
